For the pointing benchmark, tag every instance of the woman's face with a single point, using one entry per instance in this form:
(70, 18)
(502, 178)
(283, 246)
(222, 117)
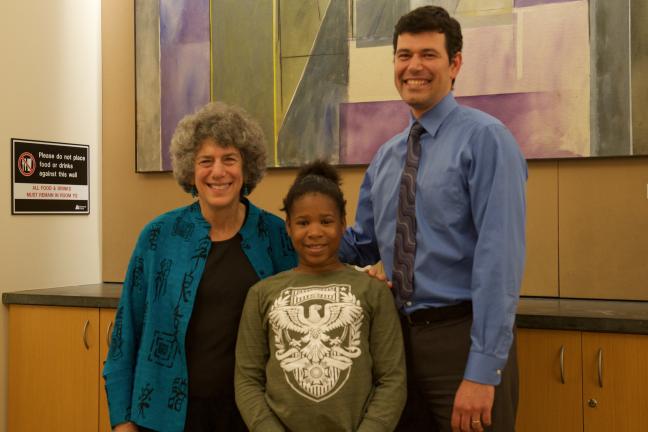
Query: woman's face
(315, 228)
(218, 176)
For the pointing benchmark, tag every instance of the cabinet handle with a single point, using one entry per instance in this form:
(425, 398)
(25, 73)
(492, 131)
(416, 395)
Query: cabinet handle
(108, 333)
(562, 364)
(85, 334)
(600, 367)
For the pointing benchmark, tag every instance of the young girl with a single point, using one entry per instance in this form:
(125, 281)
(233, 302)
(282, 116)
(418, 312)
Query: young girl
(319, 347)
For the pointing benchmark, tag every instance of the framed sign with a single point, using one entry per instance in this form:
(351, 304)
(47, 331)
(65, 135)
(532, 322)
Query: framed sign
(49, 177)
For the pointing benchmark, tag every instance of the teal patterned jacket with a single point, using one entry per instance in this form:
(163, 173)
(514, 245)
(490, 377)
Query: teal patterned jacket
(146, 371)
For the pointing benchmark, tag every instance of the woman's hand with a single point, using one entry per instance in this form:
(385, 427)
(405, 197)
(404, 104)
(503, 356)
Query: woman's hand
(126, 427)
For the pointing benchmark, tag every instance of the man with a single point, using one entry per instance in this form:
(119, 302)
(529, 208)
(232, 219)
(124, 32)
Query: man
(452, 240)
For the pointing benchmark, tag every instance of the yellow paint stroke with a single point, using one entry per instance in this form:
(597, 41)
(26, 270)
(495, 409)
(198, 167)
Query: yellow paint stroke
(211, 58)
(275, 38)
(519, 45)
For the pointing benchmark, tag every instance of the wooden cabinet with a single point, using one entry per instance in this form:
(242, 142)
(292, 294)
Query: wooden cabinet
(550, 396)
(54, 363)
(619, 401)
(562, 387)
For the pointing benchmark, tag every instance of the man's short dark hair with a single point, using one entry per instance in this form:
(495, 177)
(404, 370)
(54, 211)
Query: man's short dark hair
(431, 19)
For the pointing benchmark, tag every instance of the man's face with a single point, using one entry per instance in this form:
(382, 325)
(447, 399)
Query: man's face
(423, 73)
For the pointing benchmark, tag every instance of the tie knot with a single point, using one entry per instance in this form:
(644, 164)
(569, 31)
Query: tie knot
(416, 130)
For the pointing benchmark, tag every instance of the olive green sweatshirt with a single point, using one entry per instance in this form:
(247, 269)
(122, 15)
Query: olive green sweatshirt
(320, 353)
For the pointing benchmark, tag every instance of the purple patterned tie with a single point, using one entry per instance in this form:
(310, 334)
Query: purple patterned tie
(405, 241)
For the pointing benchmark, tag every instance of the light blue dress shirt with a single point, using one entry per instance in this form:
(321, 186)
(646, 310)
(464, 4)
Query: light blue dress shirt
(470, 212)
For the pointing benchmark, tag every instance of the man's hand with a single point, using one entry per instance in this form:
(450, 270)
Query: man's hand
(472, 407)
(126, 427)
(374, 272)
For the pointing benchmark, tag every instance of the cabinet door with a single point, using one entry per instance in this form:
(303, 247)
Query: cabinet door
(106, 319)
(53, 361)
(619, 401)
(549, 400)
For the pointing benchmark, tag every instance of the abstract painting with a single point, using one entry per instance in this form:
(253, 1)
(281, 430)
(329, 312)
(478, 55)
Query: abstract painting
(172, 73)
(568, 77)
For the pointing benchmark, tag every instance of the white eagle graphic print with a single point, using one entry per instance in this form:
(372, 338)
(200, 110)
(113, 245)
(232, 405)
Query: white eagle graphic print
(317, 335)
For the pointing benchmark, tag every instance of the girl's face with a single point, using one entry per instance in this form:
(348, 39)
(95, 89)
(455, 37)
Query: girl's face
(315, 227)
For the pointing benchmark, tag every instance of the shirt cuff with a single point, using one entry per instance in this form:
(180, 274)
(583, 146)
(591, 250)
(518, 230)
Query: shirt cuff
(484, 369)
(118, 391)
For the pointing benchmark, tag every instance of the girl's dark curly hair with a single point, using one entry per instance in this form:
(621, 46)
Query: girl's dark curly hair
(316, 177)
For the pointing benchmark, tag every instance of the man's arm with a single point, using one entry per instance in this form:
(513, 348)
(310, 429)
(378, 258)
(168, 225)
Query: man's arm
(496, 182)
(359, 245)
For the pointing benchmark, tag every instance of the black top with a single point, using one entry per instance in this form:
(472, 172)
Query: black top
(212, 331)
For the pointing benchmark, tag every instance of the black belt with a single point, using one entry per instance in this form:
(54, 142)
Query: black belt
(435, 314)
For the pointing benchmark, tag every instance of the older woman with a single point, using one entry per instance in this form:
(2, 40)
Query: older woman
(171, 361)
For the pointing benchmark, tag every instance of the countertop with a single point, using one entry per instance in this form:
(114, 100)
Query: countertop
(587, 315)
(533, 312)
(105, 295)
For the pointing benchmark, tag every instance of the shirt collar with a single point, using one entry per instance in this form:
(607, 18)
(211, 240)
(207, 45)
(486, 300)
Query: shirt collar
(249, 228)
(432, 119)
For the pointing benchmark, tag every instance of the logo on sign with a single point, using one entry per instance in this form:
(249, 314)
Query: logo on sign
(27, 164)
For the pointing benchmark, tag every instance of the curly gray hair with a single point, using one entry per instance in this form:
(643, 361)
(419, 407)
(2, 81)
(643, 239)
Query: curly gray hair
(228, 126)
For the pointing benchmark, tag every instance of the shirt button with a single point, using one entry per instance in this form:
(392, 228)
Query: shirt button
(409, 303)
(499, 371)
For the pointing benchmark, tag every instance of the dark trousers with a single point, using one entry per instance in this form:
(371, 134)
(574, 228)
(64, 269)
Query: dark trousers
(437, 353)
(211, 415)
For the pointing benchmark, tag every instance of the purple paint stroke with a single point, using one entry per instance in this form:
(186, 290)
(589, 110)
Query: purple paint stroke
(365, 126)
(184, 64)
(526, 3)
(532, 118)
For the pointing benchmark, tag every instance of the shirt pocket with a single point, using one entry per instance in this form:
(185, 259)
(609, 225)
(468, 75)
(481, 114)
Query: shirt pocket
(442, 196)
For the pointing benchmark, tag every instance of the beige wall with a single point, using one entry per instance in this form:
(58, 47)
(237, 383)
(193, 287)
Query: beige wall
(587, 224)
(587, 229)
(603, 235)
(49, 90)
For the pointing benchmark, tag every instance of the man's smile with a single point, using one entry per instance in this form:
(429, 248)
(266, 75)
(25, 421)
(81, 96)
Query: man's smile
(416, 82)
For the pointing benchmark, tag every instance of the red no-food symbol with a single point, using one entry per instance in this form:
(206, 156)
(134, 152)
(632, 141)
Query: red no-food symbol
(27, 164)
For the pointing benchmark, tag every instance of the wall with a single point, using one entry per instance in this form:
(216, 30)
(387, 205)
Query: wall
(587, 229)
(603, 235)
(587, 220)
(49, 90)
